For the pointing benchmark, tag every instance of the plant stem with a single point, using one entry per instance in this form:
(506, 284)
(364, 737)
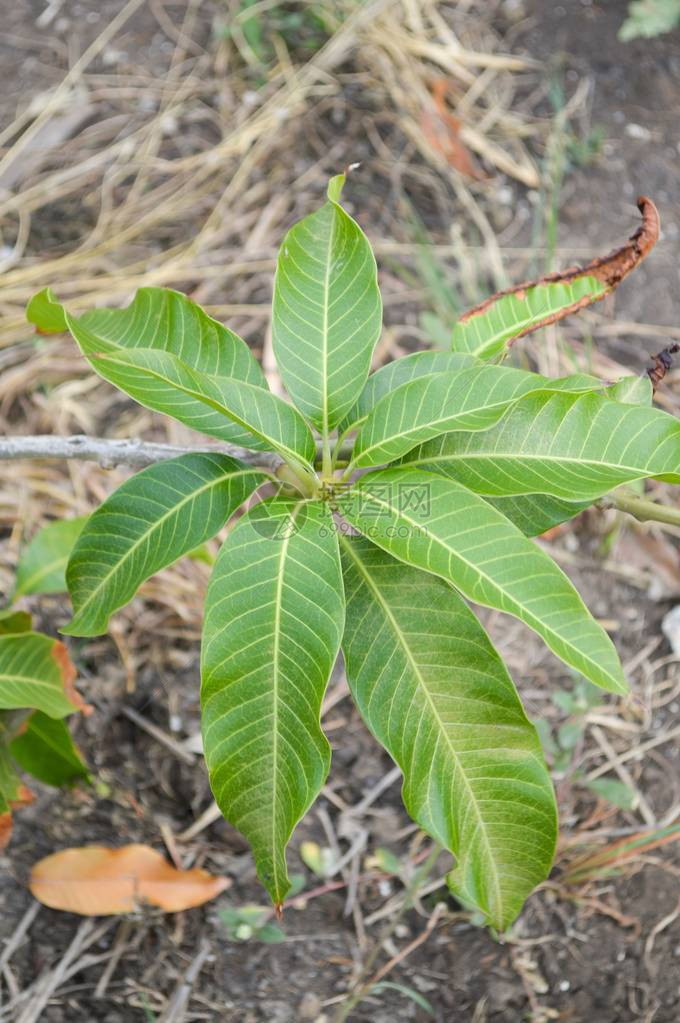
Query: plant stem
(642, 509)
(136, 454)
(109, 453)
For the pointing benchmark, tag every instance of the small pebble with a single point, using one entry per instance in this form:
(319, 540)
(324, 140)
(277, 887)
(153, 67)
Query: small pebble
(638, 131)
(670, 626)
(310, 1006)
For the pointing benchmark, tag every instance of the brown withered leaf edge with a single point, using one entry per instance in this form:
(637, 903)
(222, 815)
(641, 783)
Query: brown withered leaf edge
(610, 270)
(68, 673)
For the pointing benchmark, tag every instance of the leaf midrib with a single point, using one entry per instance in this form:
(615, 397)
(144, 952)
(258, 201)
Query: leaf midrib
(324, 346)
(53, 687)
(521, 457)
(275, 666)
(422, 684)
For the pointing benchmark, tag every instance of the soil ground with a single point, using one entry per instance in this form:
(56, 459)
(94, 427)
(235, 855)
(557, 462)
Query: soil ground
(606, 951)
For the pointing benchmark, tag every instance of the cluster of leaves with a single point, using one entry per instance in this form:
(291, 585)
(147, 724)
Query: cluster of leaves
(648, 18)
(374, 543)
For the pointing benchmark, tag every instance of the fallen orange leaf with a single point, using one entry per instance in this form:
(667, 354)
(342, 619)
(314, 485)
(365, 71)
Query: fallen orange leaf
(96, 881)
(442, 131)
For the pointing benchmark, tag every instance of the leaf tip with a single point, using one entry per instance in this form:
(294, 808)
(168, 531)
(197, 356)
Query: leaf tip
(337, 183)
(648, 233)
(335, 187)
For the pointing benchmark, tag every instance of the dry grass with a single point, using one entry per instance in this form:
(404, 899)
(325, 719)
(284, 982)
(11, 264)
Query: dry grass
(183, 177)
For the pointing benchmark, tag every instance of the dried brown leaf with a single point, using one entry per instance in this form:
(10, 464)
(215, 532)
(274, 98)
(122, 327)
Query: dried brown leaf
(97, 881)
(442, 131)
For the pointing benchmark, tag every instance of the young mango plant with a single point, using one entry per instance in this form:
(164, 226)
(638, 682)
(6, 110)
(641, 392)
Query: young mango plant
(373, 544)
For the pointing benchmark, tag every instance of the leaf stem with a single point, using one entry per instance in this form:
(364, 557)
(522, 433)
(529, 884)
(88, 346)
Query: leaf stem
(642, 509)
(339, 450)
(296, 475)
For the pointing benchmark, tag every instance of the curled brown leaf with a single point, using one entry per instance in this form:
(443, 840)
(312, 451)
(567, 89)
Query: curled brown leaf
(612, 269)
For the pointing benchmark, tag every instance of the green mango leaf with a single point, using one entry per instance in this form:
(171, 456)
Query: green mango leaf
(575, 447)
(153, 519)
(534, 514)
(274, 619)
(36, 672)
(45, 750)
(633, 390)
(438, 525)
(42, 565)
(436, 695)
(47, 313)
(165, 321)
(163, 382)
(491, 327)
(394, 374)
(326, 313)
(468, 399)
(12, 622)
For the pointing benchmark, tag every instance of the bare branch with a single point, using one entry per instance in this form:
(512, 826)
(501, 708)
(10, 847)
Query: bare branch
(109, 453)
